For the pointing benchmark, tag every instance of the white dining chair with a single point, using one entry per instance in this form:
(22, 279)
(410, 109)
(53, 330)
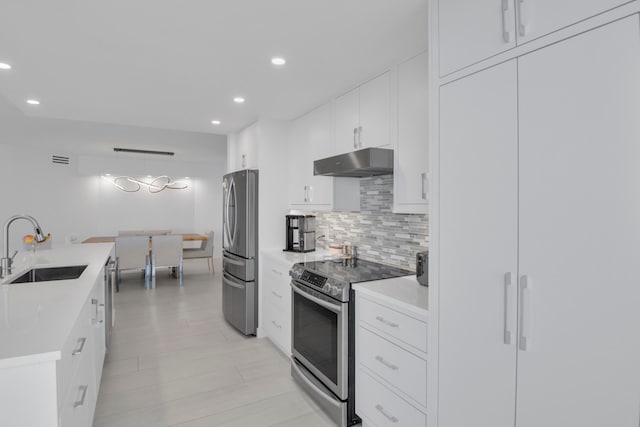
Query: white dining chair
(204, 251)
(132, 253)
(166, 251)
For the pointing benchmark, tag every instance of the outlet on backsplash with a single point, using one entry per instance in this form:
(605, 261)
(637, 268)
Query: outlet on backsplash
(379, 234)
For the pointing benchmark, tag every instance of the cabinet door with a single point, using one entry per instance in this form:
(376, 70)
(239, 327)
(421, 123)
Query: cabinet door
(579, 230)
(471, 31)
(98, 323)
(320, 146)
(375, 109)
(478, 235)
(412, 153)
(540, 17)
(347, 120)
(298, 174)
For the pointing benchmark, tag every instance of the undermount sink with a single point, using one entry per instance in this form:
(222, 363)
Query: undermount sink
(48, 274)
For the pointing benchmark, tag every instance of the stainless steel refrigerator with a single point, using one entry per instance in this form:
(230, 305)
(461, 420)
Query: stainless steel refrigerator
(240, 250)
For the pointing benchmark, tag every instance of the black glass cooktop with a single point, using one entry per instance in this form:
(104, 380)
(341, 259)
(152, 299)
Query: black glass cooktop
(354, 270)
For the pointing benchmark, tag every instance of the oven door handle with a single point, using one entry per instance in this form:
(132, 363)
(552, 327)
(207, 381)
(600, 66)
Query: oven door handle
(333, 307)
(314, 387)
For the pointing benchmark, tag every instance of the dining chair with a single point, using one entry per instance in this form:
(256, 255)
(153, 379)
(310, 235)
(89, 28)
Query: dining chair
(166, 251)
(204, 251)
(132, 253)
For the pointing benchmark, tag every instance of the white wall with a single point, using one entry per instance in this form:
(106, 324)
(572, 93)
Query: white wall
(68, 202)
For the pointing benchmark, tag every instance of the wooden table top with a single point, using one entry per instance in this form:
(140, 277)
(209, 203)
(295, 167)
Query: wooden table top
(187, 237)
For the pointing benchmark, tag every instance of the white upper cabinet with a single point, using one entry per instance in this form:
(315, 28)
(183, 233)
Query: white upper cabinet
(362, 116)
(243, 149)
(471, 31)
(410, 173)
(310, 139)
(539, 17)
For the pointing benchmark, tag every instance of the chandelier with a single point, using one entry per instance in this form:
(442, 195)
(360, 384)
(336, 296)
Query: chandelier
(130, 184)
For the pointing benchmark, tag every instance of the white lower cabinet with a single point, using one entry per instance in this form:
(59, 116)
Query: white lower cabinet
(391, 371)
(276, 302)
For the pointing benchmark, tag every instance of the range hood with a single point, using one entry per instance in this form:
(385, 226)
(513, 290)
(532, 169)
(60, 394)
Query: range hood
(357, 164)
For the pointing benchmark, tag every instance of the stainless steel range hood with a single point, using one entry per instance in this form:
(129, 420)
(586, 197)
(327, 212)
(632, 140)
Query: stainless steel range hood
(357, 164)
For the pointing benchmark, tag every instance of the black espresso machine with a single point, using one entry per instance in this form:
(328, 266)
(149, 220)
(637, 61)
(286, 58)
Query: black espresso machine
(301, 233)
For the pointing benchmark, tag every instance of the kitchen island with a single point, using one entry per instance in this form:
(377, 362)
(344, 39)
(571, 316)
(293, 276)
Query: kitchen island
(52, 340)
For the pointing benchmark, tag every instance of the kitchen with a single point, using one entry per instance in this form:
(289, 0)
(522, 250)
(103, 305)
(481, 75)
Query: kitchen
(501, 220)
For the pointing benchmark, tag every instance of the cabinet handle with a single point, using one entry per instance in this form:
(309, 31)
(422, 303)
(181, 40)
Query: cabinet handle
(523, 28)
(102, 319)
(276, 324)
(524, 341)
(94, 302)
(387, 415)
(310, 193)
(80, 402)
(355, 140)
(306, 194)
(78, 350)
(360, 136)
(423, 175)
(279, 273)
(507, 286)
(277, 295)
(386, 322)
(244, 161)
(387, 364)
(506, 34)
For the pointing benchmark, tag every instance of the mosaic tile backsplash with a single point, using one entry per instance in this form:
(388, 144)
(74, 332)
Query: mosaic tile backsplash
(379, 234)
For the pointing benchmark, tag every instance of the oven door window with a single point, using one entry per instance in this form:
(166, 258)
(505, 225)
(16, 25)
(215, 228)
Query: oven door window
(315, 336)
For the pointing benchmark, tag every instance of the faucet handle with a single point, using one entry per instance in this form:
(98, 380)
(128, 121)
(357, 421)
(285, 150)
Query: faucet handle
(14, 255)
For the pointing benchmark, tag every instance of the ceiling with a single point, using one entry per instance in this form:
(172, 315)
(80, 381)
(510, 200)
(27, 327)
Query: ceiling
(177, 64)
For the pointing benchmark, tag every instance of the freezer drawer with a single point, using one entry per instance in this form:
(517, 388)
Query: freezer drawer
(238, 267)
(239, 304)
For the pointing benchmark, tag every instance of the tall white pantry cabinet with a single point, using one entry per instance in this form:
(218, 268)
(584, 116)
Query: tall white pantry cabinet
(537, 234)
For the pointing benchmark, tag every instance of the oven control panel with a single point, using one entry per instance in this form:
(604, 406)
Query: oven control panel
(313, 279)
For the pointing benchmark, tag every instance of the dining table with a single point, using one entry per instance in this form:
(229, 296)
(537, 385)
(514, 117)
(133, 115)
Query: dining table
(187, 237)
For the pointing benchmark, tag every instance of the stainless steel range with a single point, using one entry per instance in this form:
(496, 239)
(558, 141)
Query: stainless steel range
(323, 325)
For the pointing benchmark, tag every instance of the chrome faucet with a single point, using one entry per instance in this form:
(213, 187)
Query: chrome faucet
(6, 261)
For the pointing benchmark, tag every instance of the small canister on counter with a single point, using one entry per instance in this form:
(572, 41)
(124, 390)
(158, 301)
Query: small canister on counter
(422, 268)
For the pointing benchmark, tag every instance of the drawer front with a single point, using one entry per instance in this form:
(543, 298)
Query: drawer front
(383, 408)
(400, 368)
(398, 325)
(278, 324)
(78, 406)
(278, 290)
(77, 345)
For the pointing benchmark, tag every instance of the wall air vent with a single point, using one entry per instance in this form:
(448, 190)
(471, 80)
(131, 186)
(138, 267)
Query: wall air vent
(60, 160)
(133, 150)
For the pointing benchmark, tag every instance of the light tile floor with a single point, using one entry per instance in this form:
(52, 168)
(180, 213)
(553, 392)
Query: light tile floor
(174, 361)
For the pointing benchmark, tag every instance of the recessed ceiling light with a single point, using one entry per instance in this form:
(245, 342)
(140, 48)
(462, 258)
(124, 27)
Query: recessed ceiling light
(215, 122)
(278, 61)
(4, 66)
(33, 102)
(238, 100)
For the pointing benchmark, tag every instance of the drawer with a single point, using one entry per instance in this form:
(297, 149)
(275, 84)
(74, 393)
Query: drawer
(400, 326)
(78, 406)
(277, 287)
(278, 324)
(381, 407)
(402, 369)
(79, 343)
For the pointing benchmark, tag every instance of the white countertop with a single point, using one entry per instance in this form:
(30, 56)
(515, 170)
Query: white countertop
(36, 318)
(403, 292)
(296, 257)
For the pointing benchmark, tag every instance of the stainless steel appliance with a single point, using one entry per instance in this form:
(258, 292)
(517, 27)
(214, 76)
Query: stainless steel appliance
(110, 272)
(361, 163)
(240, 250)
(301, 233)
(422, 268)
(323, 326)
